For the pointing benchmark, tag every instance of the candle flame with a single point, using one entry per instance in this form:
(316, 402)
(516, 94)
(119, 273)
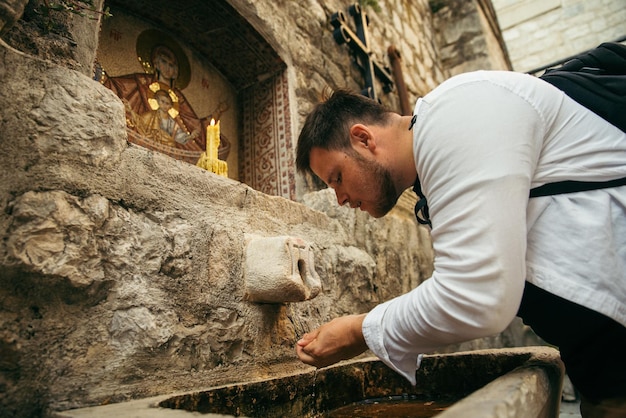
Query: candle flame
(212, 122)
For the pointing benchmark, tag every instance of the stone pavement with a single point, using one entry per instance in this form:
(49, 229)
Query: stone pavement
(570, 410)
(570, 402)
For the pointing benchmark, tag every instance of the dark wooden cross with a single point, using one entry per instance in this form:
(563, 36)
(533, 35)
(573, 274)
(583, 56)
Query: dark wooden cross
(359, 45)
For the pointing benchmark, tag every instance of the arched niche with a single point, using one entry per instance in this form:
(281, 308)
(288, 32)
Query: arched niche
(233, 73)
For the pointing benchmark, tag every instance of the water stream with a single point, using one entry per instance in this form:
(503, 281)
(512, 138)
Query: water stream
(298, 328)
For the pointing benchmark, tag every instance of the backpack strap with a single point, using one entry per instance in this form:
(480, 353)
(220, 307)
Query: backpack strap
(568, 186)
(597, 80)
(421, 207)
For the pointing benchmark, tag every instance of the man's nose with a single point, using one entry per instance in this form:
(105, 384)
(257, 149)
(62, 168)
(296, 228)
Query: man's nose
(342, 198)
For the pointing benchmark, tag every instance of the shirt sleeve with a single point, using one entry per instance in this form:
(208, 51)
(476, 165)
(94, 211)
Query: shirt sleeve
(476, 146)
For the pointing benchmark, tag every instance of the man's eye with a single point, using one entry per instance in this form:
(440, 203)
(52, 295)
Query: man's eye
(339, 179)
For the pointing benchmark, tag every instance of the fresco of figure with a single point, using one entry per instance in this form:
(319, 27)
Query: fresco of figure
(138, 91)
(163, 124)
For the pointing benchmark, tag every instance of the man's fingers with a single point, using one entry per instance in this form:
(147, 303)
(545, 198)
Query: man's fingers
(308, 338)
(306, 345)
(305, 355)
(337, 340)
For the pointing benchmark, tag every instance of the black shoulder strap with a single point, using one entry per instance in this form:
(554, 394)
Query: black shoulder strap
(421, 207)
(597, 80)
(563, 187)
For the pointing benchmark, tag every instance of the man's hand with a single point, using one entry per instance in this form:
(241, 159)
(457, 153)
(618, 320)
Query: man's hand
(339, 339)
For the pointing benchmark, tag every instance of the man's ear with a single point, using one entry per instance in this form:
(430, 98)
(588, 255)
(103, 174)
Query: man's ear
(361, 137)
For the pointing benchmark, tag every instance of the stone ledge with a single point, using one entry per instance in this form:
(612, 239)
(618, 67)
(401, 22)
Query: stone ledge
(524, 379)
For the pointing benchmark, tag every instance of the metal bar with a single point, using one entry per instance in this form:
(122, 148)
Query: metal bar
(396, 66)
(359, 45)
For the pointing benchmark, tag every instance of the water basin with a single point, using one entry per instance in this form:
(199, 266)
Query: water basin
(390, 407)
(519, 382)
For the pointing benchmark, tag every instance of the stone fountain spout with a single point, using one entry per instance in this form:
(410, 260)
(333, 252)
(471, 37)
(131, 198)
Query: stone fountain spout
(279, 270)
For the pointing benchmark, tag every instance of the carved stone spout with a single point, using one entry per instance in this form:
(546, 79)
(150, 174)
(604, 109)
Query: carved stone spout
(280, 269)
(10, 12)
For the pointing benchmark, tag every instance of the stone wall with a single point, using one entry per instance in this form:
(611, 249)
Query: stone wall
(540, 32)
(468, 36)
(122, 270)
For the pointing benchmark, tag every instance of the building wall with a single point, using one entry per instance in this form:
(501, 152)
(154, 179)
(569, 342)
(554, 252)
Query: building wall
(468, 36)
(539, 32)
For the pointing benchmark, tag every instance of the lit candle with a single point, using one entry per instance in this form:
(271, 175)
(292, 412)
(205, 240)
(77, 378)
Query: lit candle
(212, 139)
(208, 160)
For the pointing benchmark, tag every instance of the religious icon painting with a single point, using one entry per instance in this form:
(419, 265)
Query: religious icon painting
(158, 115)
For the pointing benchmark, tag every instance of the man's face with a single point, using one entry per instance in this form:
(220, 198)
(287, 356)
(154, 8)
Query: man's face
(358, 181)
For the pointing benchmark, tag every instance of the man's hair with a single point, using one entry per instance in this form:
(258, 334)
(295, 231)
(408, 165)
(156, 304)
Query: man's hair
(328, 125)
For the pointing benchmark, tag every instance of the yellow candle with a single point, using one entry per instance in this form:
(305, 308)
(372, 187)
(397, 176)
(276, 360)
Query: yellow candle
(209, 160)
(212, 139)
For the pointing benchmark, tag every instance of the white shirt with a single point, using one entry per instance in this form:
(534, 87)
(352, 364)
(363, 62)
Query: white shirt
(481, 141)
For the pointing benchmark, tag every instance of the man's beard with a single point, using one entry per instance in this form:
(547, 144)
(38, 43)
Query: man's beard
(382, 185)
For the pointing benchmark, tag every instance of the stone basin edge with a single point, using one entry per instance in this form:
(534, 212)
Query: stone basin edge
(533, 386)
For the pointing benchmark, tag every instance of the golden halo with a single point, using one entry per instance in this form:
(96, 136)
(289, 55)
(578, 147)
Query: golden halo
(151, 38)
(154, 88)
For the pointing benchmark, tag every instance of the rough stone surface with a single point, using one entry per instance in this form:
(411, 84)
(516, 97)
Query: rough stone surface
(121, 269)
(10, 12)
(465, 45)
(68, 39)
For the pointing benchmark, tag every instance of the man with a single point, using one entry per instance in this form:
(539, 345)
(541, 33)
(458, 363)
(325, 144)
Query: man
(475, 147)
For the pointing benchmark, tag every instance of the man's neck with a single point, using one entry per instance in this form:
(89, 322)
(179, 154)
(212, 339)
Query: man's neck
(404, 163)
